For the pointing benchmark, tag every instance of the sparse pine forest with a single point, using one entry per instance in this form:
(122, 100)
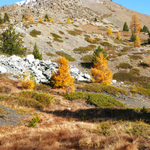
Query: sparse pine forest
(108, 111)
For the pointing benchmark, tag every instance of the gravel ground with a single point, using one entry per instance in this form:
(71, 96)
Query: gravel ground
(10, 117)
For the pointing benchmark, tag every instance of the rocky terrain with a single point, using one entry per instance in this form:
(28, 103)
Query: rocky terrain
(94, 116)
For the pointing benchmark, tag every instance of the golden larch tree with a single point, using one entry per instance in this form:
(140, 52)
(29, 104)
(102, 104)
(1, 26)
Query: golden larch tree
(91, 40)
(31, 19)
(135, 24)
(118, 35)
(52, 20)
(40, 20)
(109, 32)
(71, 18)
(137, 42)
(68, 21)
(100, 72)
(62, 77)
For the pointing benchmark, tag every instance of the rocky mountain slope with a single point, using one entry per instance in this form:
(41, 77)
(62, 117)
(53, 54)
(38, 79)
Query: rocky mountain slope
(73, 40)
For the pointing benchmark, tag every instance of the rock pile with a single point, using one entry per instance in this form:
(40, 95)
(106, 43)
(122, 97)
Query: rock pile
(42, 70)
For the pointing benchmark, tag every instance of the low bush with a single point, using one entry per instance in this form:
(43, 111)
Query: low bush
(96, 99)
(124, 65)
(67, 56)
(90, 40)
(125, 49)
(75, 32)
(21, 101)
(140, 90)
(34, 33)
(99, 88)
(27, 84)
(87, 58)
(108, 45)
(141, 80)
(82, 50)
(50, 54)
(119, 54)
(43, 98)
(135, 57)
(135, 71)
(123, 76)
(34, 121)
(57, 37)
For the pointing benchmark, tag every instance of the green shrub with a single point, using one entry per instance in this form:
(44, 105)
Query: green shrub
(67, 56)
(43, 98)
(124, 65)
(81, 50)
(57, 37)
(22, 101)
(148, 85)
(50, 54)
(135, 57)
(140, 90)
(87, 58)
(88, 40)
(108, 45)
(96, 99)
(123, 76)
(135, 71)
(97, 87)
(125, 49)
(119, 54)
(34, 33)
(75, 32)
(34, 121)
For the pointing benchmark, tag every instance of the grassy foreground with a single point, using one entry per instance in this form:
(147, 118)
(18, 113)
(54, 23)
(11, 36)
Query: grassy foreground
(78, 120)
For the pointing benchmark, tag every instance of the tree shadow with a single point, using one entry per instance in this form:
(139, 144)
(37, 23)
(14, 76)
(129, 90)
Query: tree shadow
(105, 114)
(87, 65)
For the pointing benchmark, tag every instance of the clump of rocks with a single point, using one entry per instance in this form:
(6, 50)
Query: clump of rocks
(42, 70)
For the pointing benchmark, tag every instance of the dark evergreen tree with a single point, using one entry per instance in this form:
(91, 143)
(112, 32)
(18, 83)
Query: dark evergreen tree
(6, 18)
(1, 20)
(125, 27)
(11, 43)
(97, 52)
(36, 52)
(133, 37)
(145, 29)
(46, 17)
(95, 19)
(24, 17)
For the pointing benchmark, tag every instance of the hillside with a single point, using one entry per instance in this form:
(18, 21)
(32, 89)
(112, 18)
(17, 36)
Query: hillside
(36, 115)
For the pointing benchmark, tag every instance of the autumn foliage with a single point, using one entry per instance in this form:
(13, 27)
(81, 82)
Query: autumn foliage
(52, 20)
(109, 32)
(28, 82)
(40, 20)
(62, 77)
(101, 74)
(137, 42)
(68, 21)
(135, 24)
(118, 35)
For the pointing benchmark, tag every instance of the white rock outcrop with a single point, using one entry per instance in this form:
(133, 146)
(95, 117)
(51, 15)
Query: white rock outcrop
(42, 70)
